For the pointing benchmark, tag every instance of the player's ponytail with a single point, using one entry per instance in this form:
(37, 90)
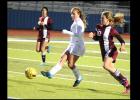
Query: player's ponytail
(82, 15)
(119, 18)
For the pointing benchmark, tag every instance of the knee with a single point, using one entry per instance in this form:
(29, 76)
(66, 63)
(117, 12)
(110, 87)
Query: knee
(71, 66)
(37, 50)
(106, 66)
(42, 49)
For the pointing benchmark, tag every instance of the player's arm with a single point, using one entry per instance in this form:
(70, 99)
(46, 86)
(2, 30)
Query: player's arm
(78, 32)
(119, 38)
(122, 48)
(49, 25)
(40, 21)
(64, 31)
(39, 24)
(94, 35)
(37, 27)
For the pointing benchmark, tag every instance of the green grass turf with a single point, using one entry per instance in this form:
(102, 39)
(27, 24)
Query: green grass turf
(97, 83)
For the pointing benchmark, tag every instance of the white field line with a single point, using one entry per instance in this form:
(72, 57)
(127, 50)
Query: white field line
(55, 63)
(94, 51)
(70, 79)
(27, 40)
(60, 54)
(13, 98)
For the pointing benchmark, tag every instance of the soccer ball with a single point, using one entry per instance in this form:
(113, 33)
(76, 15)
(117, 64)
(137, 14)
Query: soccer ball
(30, 73)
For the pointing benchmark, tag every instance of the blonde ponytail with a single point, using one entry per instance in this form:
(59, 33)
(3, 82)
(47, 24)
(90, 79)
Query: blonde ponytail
(119, 18)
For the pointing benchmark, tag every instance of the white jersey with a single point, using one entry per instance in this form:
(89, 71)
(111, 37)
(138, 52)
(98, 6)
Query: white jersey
(78, 29)
(76, 45)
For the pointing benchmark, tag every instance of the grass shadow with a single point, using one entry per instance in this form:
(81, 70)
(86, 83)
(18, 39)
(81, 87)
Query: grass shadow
(108, 92)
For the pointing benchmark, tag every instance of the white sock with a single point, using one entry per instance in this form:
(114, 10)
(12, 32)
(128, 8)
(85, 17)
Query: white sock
(77, 73)
(43, 53)
(117, 73)
(55, 69)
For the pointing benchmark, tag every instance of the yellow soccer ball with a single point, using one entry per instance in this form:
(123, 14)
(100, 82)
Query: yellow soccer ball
(30, 72)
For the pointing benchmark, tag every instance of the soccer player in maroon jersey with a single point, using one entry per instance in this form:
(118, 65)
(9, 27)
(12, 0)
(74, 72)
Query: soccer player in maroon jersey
(104, 34)
(43, 39)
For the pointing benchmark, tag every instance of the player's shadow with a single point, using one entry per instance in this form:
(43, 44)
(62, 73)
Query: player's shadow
(58, 86)
(62, 87)
(107, 92)
(47, 91)
(26, 83)
(88, 70)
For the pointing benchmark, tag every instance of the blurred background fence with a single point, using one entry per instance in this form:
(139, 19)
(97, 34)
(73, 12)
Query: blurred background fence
(24, 14)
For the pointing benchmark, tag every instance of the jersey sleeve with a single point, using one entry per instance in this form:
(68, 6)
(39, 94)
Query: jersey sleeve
(115, 33)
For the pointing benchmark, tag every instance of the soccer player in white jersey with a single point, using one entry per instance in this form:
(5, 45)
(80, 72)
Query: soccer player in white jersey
(43, 39)
(76, 47)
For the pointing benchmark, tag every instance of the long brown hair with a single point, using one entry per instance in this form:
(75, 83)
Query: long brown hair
(82, 15)
(117, 19)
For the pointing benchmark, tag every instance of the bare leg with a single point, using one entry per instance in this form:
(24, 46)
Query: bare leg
(43, 50)
(38, 46)
(71, 63)
(57, 67)
(109, 66)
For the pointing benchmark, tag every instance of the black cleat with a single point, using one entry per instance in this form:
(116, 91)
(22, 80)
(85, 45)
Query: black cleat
(76, 83)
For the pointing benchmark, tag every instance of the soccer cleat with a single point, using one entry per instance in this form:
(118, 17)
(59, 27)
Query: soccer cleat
(127, 87)
(43, 64)
(127, 90)
(77, 82)
(48, 50)
(46, 74)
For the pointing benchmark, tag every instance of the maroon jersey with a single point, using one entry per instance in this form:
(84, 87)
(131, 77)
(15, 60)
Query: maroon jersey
(44, 28)
(104, 34)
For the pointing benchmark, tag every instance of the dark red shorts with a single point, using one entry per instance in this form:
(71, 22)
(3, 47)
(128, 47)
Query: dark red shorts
(112, 53)
(41, 39)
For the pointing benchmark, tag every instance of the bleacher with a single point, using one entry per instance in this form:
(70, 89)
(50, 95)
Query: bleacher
(95, 7)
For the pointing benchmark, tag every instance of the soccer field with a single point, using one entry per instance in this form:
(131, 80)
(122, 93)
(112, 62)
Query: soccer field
(96, 84)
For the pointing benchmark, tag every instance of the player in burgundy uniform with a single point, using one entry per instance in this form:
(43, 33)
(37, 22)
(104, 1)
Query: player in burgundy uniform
(104, 34)
(43, 39)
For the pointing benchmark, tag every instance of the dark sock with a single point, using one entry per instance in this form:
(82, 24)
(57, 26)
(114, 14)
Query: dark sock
(43, 58)
(119, 77)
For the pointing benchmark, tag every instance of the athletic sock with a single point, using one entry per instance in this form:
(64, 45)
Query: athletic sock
(55, 69)
(119, 77)
(43, 57)
(76, 73)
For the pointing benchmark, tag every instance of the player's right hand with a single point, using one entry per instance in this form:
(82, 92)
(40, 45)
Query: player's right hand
(91, 35)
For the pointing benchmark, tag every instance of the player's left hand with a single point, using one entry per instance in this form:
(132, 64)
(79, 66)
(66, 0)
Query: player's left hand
(122, 48)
